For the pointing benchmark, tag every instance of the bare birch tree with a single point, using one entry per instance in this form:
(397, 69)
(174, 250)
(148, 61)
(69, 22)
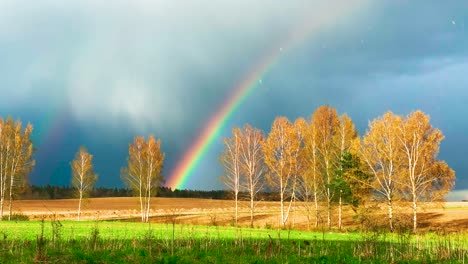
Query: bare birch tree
(311, 179)
(83, 176)
(143, 173)
(230, 159)
(16, 160)
(326, 123)
(252, 164)
(154, 164)
(281, 151)
(424, 174)
(133, 175)
(381, 152)
(346, 134)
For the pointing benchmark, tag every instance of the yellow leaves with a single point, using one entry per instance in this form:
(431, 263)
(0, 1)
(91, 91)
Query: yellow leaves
(83, 176)
(346, 133)
(443, 180)
(145, 161)
(326, 123)
(155, 155)
(15, 152)
(401, 154)
(281, 148)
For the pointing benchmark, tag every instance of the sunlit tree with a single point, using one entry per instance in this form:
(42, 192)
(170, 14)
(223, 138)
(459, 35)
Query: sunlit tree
(16, 161)
(230, 159)
(424, 178)
(133, 174)
(326, 126)
(345, 135)
(282, 150)
(83, 176)
(252, 164)
(143, 173)
(311, 176)
(380, 149)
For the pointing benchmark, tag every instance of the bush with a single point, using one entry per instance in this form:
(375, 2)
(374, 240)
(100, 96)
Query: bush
(16, 217)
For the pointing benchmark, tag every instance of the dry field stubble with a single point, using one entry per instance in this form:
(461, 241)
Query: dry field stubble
(452, 217)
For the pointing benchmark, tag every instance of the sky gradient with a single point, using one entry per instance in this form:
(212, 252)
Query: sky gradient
(93, 74)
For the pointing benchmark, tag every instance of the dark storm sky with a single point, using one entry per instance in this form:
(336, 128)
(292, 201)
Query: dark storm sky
(94, 74)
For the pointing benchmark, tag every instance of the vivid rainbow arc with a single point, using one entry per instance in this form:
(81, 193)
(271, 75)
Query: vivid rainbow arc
(211, 131)
(215, 125)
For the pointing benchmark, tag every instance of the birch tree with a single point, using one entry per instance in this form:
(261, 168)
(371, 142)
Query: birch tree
(424, 176)
(325, 121)
(252, 164)
(154, 163)
(346, 134)
(281, 151)
(311, 179)
(230, 159)
(83, 176)
(380, 150)
(133, 175)
(16, 162)
(143, 172)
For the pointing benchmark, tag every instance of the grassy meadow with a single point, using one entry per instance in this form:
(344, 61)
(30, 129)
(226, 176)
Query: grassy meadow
(203, 231)
(54, 241)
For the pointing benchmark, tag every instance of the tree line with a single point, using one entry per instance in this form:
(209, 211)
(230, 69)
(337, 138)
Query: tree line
(54, 192)
(325, 163)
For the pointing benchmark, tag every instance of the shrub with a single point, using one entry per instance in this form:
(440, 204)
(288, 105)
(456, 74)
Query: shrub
(16, 217)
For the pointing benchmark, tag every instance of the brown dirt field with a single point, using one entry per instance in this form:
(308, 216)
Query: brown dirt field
(451, 216)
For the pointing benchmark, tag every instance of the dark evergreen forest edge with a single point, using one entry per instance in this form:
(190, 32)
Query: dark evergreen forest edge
(53, 192)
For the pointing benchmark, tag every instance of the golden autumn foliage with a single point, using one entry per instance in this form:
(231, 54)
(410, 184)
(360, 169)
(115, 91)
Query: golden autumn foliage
(83, 175)
(326, 126)
(326, 139)
(325, 160)
(379, 150)
(252, 165)
(242, 161)
(401, 155)
(143, 172)
(16, 161)
(423, 177)
(282, 150)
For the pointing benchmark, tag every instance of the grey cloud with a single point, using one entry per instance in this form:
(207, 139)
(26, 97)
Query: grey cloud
(166, 66)
(142, 59)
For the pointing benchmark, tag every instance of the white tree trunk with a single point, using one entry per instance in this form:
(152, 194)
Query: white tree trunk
(390, 214)
(236, 201)
(79, 205)
(415, 211)
(2, 199)
(251, 209)
(316, 209)
(10, 205)
(149, 202)
(282, 205)
(340, 210)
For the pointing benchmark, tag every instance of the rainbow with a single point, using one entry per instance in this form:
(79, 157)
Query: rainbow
(240, 92)
(49, 135)
(215, 125)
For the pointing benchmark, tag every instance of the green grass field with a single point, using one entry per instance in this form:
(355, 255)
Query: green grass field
(126, 242)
